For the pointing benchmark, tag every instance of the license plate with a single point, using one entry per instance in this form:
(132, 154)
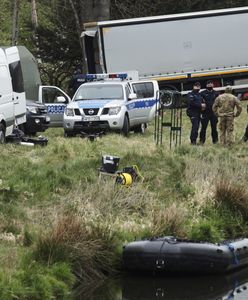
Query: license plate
(91, 118)
(21, 120)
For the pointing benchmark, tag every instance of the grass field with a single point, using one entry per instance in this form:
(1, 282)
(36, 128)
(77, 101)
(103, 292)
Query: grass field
(61, 223)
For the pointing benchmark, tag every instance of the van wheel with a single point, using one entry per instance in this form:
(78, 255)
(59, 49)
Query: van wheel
(140, 128)
(2, 134)
(125, 128)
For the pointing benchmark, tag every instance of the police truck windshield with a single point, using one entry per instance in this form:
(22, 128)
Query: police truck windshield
(99, 92)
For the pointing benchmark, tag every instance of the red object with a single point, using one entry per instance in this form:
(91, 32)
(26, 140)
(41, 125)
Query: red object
(245, 96)
(216, 83)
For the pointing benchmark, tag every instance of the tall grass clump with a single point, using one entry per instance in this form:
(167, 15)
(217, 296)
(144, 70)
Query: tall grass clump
(169, 220)
(231, 207)
(232, 195)
(88, 248)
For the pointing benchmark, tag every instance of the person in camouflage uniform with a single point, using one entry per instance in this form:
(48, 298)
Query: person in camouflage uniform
(224, 107)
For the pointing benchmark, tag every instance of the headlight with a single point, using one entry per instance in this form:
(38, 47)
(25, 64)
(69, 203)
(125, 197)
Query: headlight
(114, 110)
(69, 112)
(32, 109)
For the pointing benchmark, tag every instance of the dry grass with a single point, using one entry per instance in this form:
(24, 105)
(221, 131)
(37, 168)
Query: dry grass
(83, 220)
(169, 220)
(88, 249)
(233, 195)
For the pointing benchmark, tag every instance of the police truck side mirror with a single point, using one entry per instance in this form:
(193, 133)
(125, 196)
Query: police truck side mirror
(61, 99)
(132, 96)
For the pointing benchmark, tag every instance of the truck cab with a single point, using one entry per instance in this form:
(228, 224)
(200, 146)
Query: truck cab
(110, 102)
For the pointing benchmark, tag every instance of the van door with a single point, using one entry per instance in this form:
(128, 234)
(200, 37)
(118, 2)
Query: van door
(19, 96)
(6, 103)
(55, 100)
(143, 108)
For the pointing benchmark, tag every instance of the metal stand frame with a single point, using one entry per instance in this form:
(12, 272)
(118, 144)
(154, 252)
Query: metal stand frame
(171, 104)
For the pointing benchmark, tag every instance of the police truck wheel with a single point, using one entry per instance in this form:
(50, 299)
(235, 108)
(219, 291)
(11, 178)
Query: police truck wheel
(2, 134)
(140, 128)
(125, 128)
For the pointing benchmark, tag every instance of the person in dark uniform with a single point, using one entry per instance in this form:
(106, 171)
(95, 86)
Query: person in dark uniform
(77, 79)
(195, 107)
(245, 137)
(209, 95)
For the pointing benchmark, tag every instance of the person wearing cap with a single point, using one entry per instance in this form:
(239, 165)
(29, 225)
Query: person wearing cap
(227, 107)
(209, 95)
(196, 106)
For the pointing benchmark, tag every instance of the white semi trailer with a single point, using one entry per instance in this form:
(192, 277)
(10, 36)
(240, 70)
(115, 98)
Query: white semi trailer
(175, 49)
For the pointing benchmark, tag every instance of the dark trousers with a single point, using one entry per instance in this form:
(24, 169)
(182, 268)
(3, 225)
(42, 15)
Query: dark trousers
(246, 134)
(204, 124)
(195, 121)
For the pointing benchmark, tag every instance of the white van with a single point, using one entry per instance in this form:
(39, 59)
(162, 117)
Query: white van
(19, 82)
(52, 97)
(12, 95)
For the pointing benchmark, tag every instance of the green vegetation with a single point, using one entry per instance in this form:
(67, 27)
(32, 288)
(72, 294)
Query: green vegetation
(55, 40)
(62, 225)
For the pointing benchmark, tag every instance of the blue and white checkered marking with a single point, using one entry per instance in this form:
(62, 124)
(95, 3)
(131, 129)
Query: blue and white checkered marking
(55, 109)
(135, 104)
(141, 104)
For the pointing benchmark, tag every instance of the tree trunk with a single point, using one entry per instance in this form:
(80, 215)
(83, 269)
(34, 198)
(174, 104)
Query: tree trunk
(15, 28)
(34, 18)
(89, 11)
(94, 10)
(102, 10)
(79, 29)
(76, 17)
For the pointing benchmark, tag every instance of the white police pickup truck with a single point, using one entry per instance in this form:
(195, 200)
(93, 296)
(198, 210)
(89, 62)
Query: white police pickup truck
(111, 102)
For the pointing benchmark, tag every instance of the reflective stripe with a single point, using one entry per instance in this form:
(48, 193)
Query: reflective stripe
(220, 73)
(199, 75)
(170, 78)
